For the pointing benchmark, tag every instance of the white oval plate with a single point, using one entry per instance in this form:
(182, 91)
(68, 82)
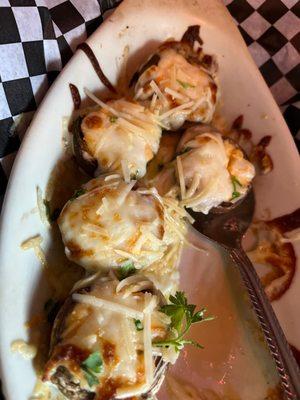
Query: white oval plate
(142, 24)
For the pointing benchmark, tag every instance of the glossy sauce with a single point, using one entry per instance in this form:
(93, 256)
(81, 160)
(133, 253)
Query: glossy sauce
(235, 363)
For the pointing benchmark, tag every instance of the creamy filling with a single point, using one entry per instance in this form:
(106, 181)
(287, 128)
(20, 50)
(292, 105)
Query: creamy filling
(177, 90)
(114, 334)
(122, 137)
(112, 225)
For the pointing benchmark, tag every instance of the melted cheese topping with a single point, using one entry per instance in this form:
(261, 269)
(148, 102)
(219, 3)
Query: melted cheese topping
(238, 166)
(113, 332)
(122, 136)
(206, 173)
(111, 225)
(177, 90)
(209, 167)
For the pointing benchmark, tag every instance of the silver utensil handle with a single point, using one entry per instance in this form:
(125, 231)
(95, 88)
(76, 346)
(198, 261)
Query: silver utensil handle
(285, 362)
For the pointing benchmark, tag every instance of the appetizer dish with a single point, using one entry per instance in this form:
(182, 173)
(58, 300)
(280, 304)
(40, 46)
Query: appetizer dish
(89, 356)
(209, 171)
(109, 225)
(137, 161)
(178, 82)
(125, 321)
(121, 136)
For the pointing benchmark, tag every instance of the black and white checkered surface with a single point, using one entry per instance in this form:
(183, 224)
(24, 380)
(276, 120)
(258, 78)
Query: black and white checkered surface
(38, 37)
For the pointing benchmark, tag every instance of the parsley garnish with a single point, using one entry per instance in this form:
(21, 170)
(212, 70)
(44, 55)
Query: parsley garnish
(91, 378)
(185, 85)
(182, 316)
(235, 183)
(138, 324)
(113, 119)
(78, 193)
(125, 271)
(91, 366)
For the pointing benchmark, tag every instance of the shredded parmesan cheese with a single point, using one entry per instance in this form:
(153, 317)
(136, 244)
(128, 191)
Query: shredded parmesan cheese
(126, 254)
(130, 280)
(147, 338)
(125, 170)
(115, 307)
(41, 206)
(175, 95)
(35, 244)
(181, 177)
(95, 228)
(153, 101)
(159, 93)
(194, 185)
(101, 103)
(86, 281)
(138, 93)
(28, 351)
(111, 177)
(131, 391)
(176, 109)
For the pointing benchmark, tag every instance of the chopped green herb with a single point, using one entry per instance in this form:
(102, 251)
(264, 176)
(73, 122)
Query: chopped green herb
(235, 183)
(125, 271)
(93, 362)
(138, 324)
(185, 85)
(91, 378)
(235, 195)
(78, 193)
(113, 119)
(51, 216)
(91, 366)
(182, 316)
(235, 180)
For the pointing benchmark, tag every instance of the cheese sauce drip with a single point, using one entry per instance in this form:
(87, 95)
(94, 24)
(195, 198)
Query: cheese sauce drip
(122, 136)
(101, 320)
(112, 225)
(177, 90)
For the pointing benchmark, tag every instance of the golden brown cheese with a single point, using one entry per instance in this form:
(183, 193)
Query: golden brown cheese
(208, 171)
(112, 225)
(177, 90)
(109, 329)
(122, 137)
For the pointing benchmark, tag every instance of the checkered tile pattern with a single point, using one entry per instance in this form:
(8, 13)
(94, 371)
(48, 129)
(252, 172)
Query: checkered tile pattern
(271, 30)
(38, 37)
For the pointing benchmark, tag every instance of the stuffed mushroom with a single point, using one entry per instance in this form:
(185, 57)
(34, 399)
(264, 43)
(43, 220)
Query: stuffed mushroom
(102, 341)
(121, 136)
(178, 83)
(110, 224)
(209, 171)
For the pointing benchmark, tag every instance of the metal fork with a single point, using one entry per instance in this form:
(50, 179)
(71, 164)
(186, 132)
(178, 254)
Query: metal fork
(227, 229)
